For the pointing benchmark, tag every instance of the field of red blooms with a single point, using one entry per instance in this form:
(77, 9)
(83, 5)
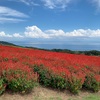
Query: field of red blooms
(76, 71)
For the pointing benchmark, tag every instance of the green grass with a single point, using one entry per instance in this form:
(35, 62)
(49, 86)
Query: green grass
(50, 98)
(92, 97)
(89, 97)
(57, 98)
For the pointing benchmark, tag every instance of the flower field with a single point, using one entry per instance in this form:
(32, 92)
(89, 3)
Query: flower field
(22, 68)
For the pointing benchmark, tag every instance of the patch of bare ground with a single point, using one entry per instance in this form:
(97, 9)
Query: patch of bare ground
(42, 93)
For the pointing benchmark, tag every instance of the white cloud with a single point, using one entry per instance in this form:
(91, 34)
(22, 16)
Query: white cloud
(5, 11)
(3, 34)
(56, 3)
(48, 3)
(96, 3)
(84, 33)
(95, 33)
(35, 32)
(10, 20)
(26, 2)
(8, 15)
(17, 35)
(55, 33)
(29, 2)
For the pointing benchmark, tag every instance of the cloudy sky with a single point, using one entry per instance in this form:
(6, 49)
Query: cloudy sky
(51, 21)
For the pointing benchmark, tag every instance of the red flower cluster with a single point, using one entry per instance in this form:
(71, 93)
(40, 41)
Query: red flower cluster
(63, 64)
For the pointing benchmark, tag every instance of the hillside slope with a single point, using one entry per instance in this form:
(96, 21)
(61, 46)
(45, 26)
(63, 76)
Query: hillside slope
(6, 43)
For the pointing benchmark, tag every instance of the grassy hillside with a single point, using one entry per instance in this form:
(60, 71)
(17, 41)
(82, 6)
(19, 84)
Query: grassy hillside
(6, 43)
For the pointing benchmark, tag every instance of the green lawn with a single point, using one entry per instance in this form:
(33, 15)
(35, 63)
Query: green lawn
(89, 97)
(92, 97)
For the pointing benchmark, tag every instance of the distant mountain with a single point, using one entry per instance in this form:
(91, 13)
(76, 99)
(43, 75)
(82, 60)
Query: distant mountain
(6, 43)
(91, 52)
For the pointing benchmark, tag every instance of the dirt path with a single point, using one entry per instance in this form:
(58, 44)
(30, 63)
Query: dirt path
(41, 93)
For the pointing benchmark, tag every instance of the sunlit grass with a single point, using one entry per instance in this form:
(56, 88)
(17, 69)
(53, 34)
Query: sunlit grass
(89, 97)
(92, 97)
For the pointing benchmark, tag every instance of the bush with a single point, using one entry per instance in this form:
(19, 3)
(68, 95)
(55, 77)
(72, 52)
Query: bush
(47, 78)
(2, 86)
(58, 82)
(91, 83)
(21, 85)
(74, 84)
(44, 77)
(50, 79)
(19, 80)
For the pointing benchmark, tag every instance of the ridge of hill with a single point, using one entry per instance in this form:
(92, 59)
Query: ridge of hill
(7, 43)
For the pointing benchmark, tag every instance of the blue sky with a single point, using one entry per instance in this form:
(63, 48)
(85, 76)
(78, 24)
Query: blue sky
(50, 21)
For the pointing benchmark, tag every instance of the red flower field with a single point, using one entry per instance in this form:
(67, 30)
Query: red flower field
(78, 71)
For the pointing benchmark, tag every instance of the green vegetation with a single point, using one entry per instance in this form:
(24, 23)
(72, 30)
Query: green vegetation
(91, 52)
(73, 84)
(91, 83)
(48, 79)
(6, 43)
(2, 86)
(50, 98)
(92, 97)
(89, 97)
(19, 81)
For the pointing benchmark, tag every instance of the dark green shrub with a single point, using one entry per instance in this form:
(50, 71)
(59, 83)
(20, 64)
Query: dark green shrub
(47, 78)
(74, 84)
(20, 81)
(21, 85)
(2, 86)
(44, 78)
(91, 83)
(58, 82)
